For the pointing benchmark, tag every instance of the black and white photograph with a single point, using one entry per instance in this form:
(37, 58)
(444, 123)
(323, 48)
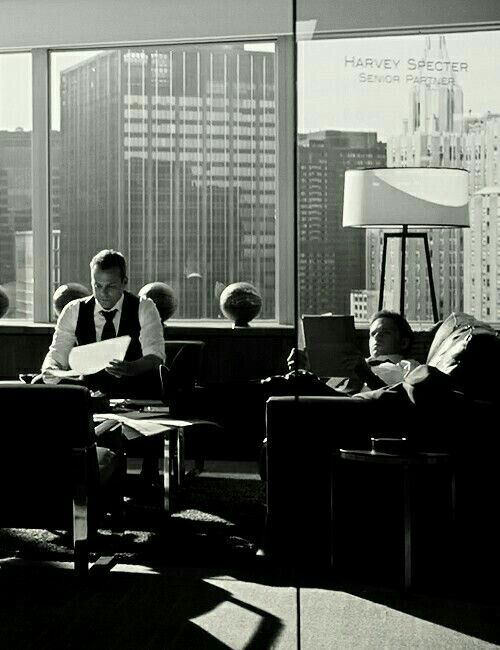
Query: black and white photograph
(249, 324)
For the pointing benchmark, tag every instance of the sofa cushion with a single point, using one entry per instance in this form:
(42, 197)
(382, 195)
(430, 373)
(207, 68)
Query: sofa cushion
(468, 351)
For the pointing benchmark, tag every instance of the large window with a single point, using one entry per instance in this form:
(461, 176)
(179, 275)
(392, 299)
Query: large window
(398, 101)
(168, 154)
(16, 235)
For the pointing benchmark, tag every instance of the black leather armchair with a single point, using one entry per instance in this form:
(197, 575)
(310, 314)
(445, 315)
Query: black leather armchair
(50, 476)
(181, 372)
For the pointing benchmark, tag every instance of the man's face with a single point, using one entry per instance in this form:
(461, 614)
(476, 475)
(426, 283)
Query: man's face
(107, 286)
(385, 337)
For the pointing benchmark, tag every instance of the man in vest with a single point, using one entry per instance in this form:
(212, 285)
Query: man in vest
(111, 311)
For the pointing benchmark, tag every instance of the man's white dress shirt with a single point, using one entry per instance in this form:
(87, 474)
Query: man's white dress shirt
(64, 339)
(391, 368)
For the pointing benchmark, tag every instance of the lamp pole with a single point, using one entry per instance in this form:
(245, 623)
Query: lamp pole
(404, 236)
(403, 271)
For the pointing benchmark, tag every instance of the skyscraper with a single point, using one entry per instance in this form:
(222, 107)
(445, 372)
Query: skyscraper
(169, 155)
(331, 258)
(15, 196)
(16, 233)
(432, 137)
(482, 240)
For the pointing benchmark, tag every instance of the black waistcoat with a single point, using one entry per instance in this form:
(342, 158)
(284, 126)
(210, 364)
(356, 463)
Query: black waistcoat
(129, 324)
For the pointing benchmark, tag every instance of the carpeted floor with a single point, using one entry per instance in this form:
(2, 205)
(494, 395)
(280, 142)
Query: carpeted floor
(168, 592)
(216, 520)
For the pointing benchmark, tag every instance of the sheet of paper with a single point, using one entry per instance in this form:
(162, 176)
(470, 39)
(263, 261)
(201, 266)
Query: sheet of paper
(91, 358)
(136, 403)
(151, 425)
(148, 427)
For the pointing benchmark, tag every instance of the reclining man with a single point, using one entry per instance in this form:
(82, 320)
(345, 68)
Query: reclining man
(390, 340)
(389, 343)
(111, 311)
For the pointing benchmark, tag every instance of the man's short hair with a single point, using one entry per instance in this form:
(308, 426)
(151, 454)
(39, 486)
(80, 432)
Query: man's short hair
(109, 259)
(402, 324)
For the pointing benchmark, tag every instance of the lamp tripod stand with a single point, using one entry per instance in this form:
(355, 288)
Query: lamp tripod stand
(404, 235)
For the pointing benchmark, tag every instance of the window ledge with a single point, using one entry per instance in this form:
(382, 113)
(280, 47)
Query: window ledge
(259, 328)
(13, 326)
(216, 326)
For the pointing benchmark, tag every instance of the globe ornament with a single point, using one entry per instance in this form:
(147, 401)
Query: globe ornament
(163, 297)
(4, 302)
(240, 302)
(66, 293)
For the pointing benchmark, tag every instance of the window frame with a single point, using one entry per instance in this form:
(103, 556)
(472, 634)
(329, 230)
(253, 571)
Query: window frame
(381, 32)
(285, 198)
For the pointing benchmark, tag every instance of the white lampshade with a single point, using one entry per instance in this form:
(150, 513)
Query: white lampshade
(410, 196)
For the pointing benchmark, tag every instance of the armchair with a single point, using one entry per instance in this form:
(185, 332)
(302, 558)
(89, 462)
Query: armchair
(51, 475)
(181, 372)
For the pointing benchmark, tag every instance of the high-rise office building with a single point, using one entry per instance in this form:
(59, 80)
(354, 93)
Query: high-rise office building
(169, 155)
(25, 271)
(15, 196)
(331, 258)
(432, 136)
(16, 216)
(482, 240)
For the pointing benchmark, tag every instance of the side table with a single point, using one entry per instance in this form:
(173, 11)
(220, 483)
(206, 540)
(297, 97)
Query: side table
(164, 436)
(410, 464)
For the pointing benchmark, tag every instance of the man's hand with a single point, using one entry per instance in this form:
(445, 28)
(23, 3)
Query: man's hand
(48, 377)
(120, 369)
(297, 359)
(133, 368)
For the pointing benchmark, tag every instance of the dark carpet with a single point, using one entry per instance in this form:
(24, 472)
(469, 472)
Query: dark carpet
(216, 522)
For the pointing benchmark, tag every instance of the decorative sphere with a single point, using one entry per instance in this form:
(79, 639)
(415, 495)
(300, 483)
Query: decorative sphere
(163, 297)
(66, 293)
(4, 302)
(240, 302)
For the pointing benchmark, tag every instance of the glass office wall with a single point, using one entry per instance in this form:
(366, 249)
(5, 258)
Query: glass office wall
(16, 233)
(398, 101)
(167, 154)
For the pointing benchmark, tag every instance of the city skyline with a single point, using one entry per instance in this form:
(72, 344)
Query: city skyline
(430, 114)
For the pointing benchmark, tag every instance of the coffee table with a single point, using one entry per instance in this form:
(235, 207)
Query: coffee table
(160, 435)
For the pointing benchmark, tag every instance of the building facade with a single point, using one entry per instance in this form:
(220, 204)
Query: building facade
(174, 153)
(331, 259)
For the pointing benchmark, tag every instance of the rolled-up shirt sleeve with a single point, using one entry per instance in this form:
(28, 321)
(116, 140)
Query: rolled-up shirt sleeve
(64, 338)
(151, 336)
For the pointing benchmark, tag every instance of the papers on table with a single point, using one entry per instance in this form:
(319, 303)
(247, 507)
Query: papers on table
(149, 424)
(148, 427)
(91, 358)
(152, 405)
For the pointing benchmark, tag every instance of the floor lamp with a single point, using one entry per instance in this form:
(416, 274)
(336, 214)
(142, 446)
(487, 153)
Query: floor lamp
(406, 198)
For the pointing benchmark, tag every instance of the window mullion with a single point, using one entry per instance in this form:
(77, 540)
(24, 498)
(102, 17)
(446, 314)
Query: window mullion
(285, 106)
(40, 185)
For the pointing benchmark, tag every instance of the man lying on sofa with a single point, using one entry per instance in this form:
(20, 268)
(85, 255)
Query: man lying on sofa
(390, 340)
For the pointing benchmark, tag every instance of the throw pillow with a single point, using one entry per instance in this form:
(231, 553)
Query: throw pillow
(468, 351)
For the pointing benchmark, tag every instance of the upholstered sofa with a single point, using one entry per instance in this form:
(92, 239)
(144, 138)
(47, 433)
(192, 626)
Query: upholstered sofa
(448, 404)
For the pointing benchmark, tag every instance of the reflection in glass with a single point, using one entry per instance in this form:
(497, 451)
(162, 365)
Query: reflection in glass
(398, 101)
